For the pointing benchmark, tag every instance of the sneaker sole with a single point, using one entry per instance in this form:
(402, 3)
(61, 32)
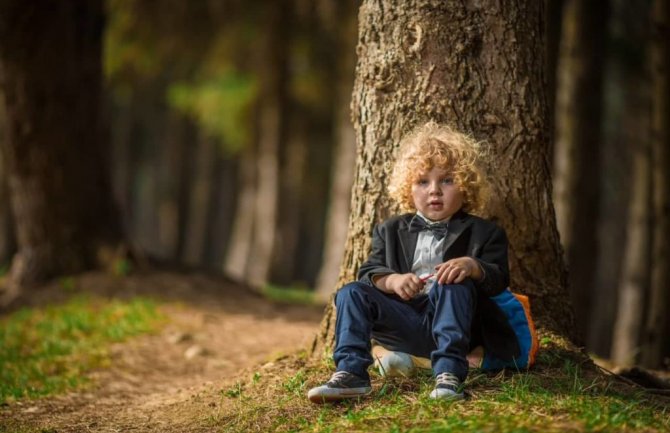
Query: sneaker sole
(339, 395)
(447, 397)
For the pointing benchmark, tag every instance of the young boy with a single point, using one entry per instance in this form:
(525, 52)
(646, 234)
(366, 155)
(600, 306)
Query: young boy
(426, 286)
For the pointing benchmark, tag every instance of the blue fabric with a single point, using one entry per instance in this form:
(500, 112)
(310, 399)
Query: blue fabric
(436, 325)
(516, 316)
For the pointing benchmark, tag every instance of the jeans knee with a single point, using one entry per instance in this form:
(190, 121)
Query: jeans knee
(461, 290)
(349, 291)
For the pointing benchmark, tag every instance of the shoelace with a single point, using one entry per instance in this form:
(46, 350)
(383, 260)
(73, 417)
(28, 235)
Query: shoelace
(338, 376)
(447, 379)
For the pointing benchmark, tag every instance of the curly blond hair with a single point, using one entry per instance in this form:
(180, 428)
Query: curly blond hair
(433, 145)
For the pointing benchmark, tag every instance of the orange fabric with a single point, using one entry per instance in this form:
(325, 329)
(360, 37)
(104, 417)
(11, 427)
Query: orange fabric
(523, 299)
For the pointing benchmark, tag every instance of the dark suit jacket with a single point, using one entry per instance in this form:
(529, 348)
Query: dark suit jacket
(393, 252)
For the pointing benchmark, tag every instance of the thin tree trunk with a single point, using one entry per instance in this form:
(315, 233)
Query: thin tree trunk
(272, 114)
(626, 101)
(292, 181)
(480, 68)
(200, 203)
(123, 118)
(224, 195)
(171, 156)
(147, 176)
(655, 334)
(184, 164)
(339, 209)
(7, 238)
(239, 247)
(577, 147)
(635, 278)
(50, 64)
(342, 174)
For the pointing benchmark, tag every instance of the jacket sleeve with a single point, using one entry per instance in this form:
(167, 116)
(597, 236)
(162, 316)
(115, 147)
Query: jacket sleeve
(492, 257)
(376, 263)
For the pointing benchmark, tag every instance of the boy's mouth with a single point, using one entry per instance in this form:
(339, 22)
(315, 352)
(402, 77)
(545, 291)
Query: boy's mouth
(435, 203)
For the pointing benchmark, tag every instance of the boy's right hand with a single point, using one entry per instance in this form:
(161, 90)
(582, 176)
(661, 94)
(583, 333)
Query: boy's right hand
(406, 286)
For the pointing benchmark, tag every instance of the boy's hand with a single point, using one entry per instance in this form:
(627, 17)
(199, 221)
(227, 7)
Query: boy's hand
(457, 270)
(406, 286)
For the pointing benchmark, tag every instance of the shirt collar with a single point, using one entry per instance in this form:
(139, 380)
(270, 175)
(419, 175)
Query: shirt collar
(429, 221)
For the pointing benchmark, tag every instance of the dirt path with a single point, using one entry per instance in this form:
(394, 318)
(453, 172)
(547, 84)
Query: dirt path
(216, 329)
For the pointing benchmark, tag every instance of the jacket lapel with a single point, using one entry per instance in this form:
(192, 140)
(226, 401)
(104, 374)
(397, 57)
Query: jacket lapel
(407, 242)
(457, 225)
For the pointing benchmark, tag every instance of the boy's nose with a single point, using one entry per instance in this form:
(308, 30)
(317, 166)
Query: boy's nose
(435, 188)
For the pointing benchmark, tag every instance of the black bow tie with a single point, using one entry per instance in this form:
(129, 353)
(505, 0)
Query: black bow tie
(418, 224)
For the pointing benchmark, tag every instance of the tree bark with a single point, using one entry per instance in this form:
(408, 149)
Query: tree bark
(655, 332)
(50, 72)
(478, 66)
(577, 147)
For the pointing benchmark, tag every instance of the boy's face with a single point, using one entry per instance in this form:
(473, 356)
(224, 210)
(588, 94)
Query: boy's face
(435, 195)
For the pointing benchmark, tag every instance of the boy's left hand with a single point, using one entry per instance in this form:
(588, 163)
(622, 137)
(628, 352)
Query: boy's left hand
(456, 270)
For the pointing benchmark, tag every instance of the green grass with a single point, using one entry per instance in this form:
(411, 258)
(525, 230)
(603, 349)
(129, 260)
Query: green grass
(49, 350)
(291, 295)
(559, 395)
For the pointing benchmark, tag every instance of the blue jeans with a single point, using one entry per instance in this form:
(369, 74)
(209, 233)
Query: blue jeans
(435, 326)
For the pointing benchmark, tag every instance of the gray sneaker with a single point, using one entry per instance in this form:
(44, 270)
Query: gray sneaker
(342, 385)
(447, 387)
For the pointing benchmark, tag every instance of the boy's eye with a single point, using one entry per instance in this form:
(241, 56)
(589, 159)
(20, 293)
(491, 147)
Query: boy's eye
(422, 182)
(448, 180)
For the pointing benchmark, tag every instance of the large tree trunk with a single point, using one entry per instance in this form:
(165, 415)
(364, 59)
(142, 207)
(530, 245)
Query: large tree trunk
(577, 147)
(50, 67)
(478, 66)
(654, 337)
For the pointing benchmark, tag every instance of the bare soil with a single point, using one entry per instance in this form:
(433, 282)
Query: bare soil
(216, 329)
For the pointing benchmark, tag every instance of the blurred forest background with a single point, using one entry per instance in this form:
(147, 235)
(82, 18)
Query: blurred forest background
(231, 147)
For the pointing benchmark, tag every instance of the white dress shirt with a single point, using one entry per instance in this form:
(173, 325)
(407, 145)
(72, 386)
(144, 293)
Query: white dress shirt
(427, 254)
